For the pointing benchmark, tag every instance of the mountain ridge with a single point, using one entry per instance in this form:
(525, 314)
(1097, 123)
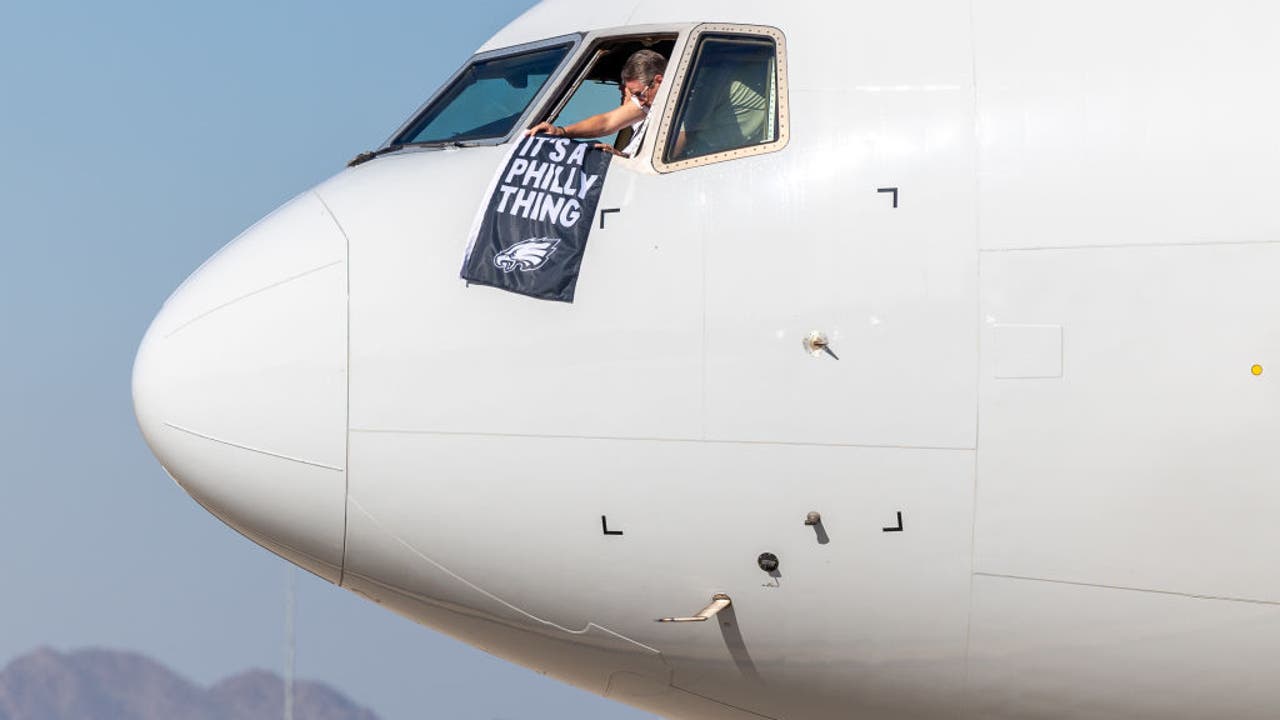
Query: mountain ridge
(104, 684)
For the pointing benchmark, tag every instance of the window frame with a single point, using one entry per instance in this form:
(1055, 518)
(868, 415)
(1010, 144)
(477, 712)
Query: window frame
(692, 48)
(573, 42)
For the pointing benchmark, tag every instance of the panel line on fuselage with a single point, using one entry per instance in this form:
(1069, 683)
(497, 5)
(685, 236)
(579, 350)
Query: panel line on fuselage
(252, 449)
(250, 294)
(1103, 586)
(716, 441)
(1131, 246)
(423, 556)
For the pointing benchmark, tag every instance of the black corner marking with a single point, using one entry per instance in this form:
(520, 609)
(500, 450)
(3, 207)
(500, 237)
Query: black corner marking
(893, 190)
(606, 211)
(898, 528)
(604, 525)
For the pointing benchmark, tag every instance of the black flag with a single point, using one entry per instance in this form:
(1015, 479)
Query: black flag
(533, 231)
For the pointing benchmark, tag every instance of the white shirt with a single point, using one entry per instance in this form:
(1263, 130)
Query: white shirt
(637, 128)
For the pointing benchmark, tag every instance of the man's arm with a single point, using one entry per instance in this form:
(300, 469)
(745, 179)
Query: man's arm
(606, 123)
(682, 139)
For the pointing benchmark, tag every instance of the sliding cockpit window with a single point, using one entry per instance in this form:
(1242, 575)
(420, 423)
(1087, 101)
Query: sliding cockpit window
(486, 99)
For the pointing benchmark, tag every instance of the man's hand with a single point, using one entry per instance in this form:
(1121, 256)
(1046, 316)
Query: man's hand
(609, 149)
(547, 128)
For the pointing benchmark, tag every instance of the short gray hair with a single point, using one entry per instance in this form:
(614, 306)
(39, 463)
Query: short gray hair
(644, 65)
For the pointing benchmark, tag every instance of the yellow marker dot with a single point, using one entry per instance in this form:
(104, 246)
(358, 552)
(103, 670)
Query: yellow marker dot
(1256, 369)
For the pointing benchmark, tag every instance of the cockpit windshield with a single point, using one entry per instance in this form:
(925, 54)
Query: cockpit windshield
(486, 99)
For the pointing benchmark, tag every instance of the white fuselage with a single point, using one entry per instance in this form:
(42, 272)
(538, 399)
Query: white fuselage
(1045, 459)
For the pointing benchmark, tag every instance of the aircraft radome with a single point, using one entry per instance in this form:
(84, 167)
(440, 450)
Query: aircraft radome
(945, 390)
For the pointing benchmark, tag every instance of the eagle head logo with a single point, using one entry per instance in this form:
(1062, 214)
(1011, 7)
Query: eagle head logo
(526, 255)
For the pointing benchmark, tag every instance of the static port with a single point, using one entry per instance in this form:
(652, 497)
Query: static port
(768, 562)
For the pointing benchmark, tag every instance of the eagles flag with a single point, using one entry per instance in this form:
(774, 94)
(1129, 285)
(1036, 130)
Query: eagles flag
(530, 237)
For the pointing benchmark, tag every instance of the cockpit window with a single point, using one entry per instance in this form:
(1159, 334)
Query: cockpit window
(731, 101)
(728, 99)
(598, 87)
(486, 99)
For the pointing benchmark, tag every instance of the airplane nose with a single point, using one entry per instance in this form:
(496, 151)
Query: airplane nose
(240, 385)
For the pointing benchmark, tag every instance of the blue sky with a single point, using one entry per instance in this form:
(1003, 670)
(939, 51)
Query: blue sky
(136, 139)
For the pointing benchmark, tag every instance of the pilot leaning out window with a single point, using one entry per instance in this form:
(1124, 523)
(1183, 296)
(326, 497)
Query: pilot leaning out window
(641, 78)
